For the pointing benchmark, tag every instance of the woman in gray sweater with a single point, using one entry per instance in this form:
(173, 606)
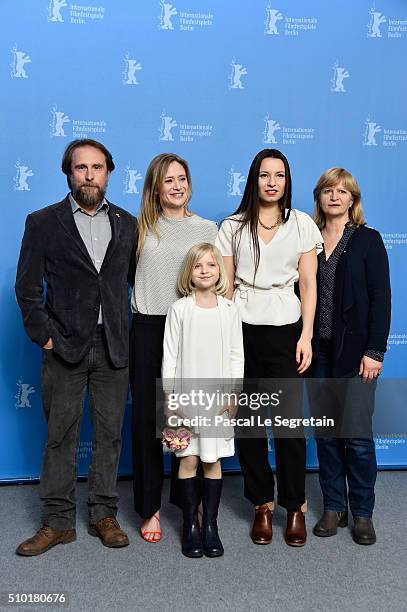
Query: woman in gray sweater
(167, 230)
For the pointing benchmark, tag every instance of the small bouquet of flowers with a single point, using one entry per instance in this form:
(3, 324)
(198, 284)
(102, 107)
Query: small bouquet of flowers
(176, 439)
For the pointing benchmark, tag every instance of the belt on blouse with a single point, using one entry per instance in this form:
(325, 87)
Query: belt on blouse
(244, 290)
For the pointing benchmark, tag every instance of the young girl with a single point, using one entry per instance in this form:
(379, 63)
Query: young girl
(202, 340)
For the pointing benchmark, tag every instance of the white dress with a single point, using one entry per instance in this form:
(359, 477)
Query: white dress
(272, 300)
(203, 343)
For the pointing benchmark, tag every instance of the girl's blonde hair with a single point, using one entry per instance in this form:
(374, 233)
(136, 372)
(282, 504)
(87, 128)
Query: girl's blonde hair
(150, 202)
(330, 178)
(194, 254)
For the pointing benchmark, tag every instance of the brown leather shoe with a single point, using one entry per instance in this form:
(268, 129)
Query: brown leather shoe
(44, 539)
(262, 530)
(296, 533)
(363, 531)
(329, 522)
(109, 531)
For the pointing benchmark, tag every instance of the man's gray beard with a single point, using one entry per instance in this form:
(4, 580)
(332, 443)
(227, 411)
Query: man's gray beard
(89, 196)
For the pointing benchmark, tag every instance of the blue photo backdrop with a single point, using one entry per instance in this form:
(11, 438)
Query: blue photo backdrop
(214, 81)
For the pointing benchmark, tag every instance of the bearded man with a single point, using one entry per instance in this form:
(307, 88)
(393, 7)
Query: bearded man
(77, 258)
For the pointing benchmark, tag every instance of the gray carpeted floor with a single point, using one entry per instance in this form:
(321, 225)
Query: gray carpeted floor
(327, 574)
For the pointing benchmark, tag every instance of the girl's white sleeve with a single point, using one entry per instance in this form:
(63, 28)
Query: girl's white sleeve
(236, 348)
(170, 349)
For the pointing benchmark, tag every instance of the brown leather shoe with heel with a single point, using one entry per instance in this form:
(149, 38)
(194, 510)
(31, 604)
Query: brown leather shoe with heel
(296, 533)
(262, 530)
(110, 532)
(45, 538)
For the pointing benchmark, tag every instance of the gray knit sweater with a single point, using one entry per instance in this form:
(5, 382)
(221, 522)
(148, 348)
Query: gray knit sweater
(155, 286)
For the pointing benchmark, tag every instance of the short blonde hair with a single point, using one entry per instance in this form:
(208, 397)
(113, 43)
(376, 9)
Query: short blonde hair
(330, 178)
(195, 253)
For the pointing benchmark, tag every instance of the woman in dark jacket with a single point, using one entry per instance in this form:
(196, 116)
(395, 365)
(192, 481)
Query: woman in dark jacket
(350, 337)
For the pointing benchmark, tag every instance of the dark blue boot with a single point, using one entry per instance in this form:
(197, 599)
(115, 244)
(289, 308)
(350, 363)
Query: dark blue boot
(188, 489)
(212, 489)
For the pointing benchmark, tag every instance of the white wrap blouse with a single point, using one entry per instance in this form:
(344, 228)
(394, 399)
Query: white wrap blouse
(271, 301)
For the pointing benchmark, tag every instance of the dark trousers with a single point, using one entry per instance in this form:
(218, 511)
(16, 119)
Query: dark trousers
(270, 353)
(348, 462)
(63, 388)
(146, 354)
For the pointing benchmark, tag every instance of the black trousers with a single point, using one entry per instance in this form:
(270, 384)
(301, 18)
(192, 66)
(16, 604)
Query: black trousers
(270, 353)
(146, 354)
(63, 388)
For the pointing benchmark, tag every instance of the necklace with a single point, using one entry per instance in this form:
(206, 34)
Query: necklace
(270, 227)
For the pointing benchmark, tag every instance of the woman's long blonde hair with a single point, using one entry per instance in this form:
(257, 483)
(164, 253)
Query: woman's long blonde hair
(150, 203)
(194, 254)
(330, 178)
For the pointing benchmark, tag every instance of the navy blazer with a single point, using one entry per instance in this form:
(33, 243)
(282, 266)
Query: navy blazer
(54, 257)
(362, 302)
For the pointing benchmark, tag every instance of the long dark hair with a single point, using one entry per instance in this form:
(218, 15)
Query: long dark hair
(249, 206)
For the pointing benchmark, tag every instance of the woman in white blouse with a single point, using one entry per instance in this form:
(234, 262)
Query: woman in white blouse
(267, 248)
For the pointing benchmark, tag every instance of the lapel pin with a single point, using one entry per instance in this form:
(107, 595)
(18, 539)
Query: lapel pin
(117, 215)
